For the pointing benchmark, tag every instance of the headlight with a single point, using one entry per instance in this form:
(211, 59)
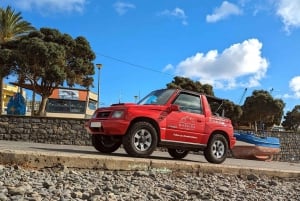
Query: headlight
(117, 114)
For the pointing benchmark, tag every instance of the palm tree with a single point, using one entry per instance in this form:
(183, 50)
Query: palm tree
(12, 26)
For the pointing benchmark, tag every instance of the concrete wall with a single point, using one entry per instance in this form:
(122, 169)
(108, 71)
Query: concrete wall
(72, 132)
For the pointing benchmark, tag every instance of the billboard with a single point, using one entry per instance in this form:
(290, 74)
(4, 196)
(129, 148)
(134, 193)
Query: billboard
(69, 94)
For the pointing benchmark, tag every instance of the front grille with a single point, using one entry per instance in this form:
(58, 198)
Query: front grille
(103, 115)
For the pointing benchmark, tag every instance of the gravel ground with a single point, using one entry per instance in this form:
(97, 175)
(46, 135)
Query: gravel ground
(63, 184)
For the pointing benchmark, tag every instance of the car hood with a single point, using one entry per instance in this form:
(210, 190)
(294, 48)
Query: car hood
(135, 106)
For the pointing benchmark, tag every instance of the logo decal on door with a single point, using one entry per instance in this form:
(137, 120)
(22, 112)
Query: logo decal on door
(187, 123)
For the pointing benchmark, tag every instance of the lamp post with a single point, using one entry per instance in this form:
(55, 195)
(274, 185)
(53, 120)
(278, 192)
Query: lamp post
(99, 66)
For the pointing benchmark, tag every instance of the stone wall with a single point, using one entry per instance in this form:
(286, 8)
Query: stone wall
(289, 145)
(44, 130)
(72, 132)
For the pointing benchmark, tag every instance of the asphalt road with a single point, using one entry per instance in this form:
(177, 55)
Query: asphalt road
(38, 154)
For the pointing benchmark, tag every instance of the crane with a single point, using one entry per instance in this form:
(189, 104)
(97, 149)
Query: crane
(243, 95)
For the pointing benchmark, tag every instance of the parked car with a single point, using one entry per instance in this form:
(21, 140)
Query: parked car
(178, 120)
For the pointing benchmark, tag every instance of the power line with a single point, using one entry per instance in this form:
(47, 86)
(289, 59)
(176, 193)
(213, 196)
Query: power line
(135, 65)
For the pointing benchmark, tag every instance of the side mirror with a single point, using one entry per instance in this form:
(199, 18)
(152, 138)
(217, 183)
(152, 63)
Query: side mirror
(174, 108)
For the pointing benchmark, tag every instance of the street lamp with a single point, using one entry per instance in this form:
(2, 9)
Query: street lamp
(99, 66)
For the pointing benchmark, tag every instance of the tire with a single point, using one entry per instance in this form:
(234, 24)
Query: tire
(140, 140)
(216, 150)
(106, 144)
(178, 153)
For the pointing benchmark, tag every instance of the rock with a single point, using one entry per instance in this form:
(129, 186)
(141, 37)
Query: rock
(3, 197)
(66, 184)
(194, 192)
(222, 189)
(168, 187)
(252, 177)
(16, 190)
(47, 184)
(156, 196)
(141, 174)
(272, 183)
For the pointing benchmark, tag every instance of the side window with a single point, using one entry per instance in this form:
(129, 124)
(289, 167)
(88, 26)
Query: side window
(189, 103)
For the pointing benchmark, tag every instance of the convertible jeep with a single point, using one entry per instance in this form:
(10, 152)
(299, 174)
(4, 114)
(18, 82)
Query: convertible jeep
(178, 120)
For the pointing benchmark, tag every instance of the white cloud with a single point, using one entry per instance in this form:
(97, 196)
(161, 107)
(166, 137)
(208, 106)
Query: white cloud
(122, 8)
(288, 10)
(286, 96)
(295, 86)
(241, 61)
(177, 13)
(47, 6)
(224, 11)
(168, 67)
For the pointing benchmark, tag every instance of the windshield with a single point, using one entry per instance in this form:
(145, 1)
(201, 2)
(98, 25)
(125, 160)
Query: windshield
(158, 97)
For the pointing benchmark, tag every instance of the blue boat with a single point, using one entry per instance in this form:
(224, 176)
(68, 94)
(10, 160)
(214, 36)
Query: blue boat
(251, 138)
(259, 148)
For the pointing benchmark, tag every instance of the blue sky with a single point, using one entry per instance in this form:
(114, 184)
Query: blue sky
(142, 45)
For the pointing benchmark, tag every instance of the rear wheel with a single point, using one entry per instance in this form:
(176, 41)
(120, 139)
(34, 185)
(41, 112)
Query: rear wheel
(106, 144)
(216, 150)
(141, 139)
(178, 153)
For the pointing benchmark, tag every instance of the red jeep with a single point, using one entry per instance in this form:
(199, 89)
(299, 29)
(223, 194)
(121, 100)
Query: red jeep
(178, 120)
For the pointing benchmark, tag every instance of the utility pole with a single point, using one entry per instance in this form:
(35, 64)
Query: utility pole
(99, 66)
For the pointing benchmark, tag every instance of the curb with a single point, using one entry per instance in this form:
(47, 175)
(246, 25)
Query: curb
(34, 159)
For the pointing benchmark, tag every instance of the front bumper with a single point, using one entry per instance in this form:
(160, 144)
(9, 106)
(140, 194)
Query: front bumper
(107, 127)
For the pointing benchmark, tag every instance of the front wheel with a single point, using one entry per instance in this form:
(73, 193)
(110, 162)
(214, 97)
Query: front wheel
(106, 144)
(141, 139)
(178, 153)
(216, 150)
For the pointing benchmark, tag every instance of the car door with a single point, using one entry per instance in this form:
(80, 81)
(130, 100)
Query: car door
(187, 124)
